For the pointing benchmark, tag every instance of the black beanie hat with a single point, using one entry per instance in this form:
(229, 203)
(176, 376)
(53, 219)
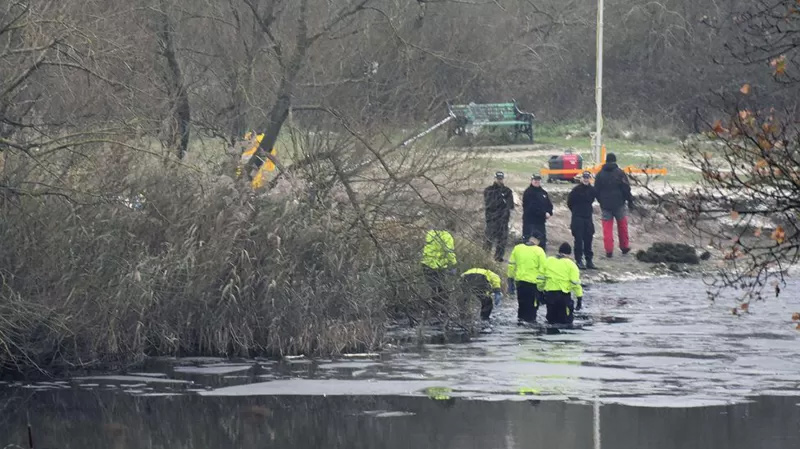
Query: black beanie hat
(565, 249)
(611, 157)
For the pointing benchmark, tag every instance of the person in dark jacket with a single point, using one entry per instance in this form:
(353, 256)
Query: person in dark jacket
(536, 209)
(613, 191)
(498, 203)
(580, 202)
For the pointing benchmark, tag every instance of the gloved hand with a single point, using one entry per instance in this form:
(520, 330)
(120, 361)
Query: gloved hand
(512, 288)
(497, 298)
(579, 304)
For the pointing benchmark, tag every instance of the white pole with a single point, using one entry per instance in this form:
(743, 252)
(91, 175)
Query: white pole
(597, 443)
(598, 138)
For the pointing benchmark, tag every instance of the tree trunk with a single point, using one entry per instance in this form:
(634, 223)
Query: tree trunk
(280, 109)
(238, 120)
(176, 88)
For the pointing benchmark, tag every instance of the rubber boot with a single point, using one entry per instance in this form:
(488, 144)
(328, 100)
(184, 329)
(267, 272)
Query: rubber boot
(590, 264)
(580, 264)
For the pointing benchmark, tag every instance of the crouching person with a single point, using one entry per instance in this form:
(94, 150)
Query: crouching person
(561, 279)
(483, 285)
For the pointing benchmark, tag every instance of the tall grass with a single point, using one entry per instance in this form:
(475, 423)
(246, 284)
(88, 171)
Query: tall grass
(207, 266)
(203, 268)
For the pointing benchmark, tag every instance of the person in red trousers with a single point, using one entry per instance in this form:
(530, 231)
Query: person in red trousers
(613, 191)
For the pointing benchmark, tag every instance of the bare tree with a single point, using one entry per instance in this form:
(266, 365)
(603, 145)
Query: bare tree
(177, 128)
(46, 114)
(748, 201)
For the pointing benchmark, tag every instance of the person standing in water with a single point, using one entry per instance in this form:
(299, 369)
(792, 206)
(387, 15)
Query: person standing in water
(562, 278)
(525, 265)
(438, 260)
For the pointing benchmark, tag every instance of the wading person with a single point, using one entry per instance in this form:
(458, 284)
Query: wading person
(561, 278)
(536, 209)
(525, 266)
(438, 260)
(484, 286)
(613, 190)
(580, 202)
(498, 201)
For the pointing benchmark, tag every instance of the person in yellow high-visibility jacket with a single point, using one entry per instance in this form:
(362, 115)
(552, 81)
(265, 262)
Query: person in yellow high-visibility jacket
(483, 285)
(438, 258)
(561, 278)
(525, 265)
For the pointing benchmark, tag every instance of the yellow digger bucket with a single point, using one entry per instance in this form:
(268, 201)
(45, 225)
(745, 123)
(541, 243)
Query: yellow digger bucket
(267, 166)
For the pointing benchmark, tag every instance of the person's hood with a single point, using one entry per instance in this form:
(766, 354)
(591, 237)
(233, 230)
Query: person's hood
(610, 166)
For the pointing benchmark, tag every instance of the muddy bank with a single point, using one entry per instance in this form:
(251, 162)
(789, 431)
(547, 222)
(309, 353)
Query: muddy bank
(646, 227)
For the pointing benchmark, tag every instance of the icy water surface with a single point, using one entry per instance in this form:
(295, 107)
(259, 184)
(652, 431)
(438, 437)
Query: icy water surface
(655, 365)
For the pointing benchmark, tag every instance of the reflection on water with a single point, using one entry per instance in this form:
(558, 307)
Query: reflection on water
(101, 419)
(670, 368)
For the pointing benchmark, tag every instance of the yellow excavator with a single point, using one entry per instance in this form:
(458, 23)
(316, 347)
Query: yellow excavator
(266, 166)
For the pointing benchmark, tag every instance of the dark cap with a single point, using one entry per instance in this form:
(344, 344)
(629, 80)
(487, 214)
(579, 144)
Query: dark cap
(611, 157)
(565, 249)
(499, 175)
(536, 177)
(587, 174)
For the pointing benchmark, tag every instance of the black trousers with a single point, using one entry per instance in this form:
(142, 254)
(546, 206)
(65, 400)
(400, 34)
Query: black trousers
(583, 231)
(530, 225)
(486, 305)
(476, 287)
(436, 280)
(497, 236)
(560, 307)
(528, 300)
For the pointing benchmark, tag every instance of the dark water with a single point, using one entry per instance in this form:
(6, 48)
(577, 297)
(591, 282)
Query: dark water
(104, 419)
(655, 365)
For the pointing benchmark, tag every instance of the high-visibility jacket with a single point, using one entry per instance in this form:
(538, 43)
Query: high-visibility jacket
(439, 251)
(491, 280)
(526, 263)
(561, 274)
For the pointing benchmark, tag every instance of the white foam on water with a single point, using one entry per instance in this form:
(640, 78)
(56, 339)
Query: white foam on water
(330, 387)
(123, 378)
(213, 369)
